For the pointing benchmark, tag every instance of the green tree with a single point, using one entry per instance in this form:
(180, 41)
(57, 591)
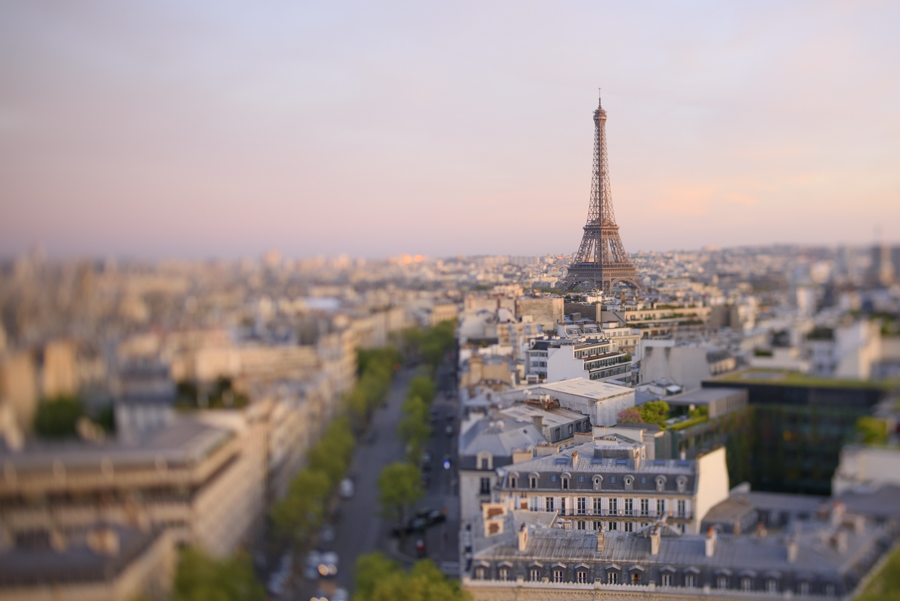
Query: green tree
(370, 569)
(886, 583)
(399, 487)
(424, 582)
(202, 578)
(301, 511)
(654, 412)
(872, 430)
(423, 388)
(57, 417)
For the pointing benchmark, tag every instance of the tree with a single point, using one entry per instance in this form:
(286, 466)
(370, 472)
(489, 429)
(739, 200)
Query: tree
(423, 388)
(872, 430)
(202, 578)
(58, 417)
(399, 487)
(301, 511)
(654, 412)
(370, 569)
(630, 416)
(424, 582)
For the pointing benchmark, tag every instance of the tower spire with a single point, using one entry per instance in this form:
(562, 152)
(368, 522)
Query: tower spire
(601, 259)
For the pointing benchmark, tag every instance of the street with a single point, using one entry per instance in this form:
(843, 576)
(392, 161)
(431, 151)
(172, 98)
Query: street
(360, 529)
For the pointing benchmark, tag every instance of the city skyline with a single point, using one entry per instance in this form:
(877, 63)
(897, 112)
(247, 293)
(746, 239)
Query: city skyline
(201, 131)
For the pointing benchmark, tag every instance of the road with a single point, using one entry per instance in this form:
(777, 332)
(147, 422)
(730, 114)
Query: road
(360, 529)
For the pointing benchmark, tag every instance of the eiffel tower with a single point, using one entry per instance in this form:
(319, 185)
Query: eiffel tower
(601, 261)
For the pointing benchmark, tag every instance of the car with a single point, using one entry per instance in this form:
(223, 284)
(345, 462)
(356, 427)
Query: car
(346, 488)
(328, 565)
(276, 582)
(339, 594)
(326, 535)
(420, 548)
(311, 569)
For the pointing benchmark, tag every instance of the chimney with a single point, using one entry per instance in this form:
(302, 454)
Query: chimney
(601, 539)
(711, 537)
(103, 541)
(523, 538)
(839, 541)
(654, 540)
(792, 549)
(538, 421)
(574, 458)
(761, 531)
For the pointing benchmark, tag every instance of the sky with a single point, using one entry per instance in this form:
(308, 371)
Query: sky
(223, 129)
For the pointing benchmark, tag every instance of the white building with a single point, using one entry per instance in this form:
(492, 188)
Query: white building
(600, 401)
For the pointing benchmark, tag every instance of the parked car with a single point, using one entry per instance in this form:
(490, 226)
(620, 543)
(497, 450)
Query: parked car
(311, 569)
(346, 488)
(328, 565)
(420, 548)
(431, 516)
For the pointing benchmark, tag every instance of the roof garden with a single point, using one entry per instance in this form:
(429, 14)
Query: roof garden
(794, 378)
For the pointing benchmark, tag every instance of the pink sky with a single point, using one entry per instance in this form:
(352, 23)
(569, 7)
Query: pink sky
(443, 128)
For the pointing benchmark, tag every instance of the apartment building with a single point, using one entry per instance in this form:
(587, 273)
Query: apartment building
(610, 484)
(593, 358)
(204, 481)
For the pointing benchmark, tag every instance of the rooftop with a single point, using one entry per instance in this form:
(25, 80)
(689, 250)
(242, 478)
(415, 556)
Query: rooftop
(779, 377)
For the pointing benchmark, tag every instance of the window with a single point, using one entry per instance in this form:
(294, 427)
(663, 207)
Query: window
(598, 525)
(667, 579)
(645, 506)
(722, 582)
(553, 478)
(532, 482)
(597, 506)
(690, 580)
(484, 463)
(571, 429)
(629, 506)
(512, 481)
(581, 576)
(565, 483)
(643, 479)
(556, 434)
(581, 478)
(613, 506)
(485, 486)
(612, 479)
(771, 585)
(559, 576)
(613, 526)
(612, 578)
(597, 481)
(660, 507)
(549, 504)
(803, 588)
(660, 483)
(635, 578)
(480, 573)
(582, 525)
(504, 573)
(533, 503)
(562, 506)
(629, 527)
(829, 590)
(681, 508)
(746, 584)
(534, 574)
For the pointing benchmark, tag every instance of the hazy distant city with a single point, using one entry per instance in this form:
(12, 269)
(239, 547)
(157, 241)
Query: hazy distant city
(402, 371)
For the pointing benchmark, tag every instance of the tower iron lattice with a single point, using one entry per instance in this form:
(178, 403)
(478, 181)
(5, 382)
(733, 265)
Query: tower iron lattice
(601, 260)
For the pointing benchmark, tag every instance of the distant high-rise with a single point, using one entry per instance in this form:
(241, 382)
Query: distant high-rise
(601, 260)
